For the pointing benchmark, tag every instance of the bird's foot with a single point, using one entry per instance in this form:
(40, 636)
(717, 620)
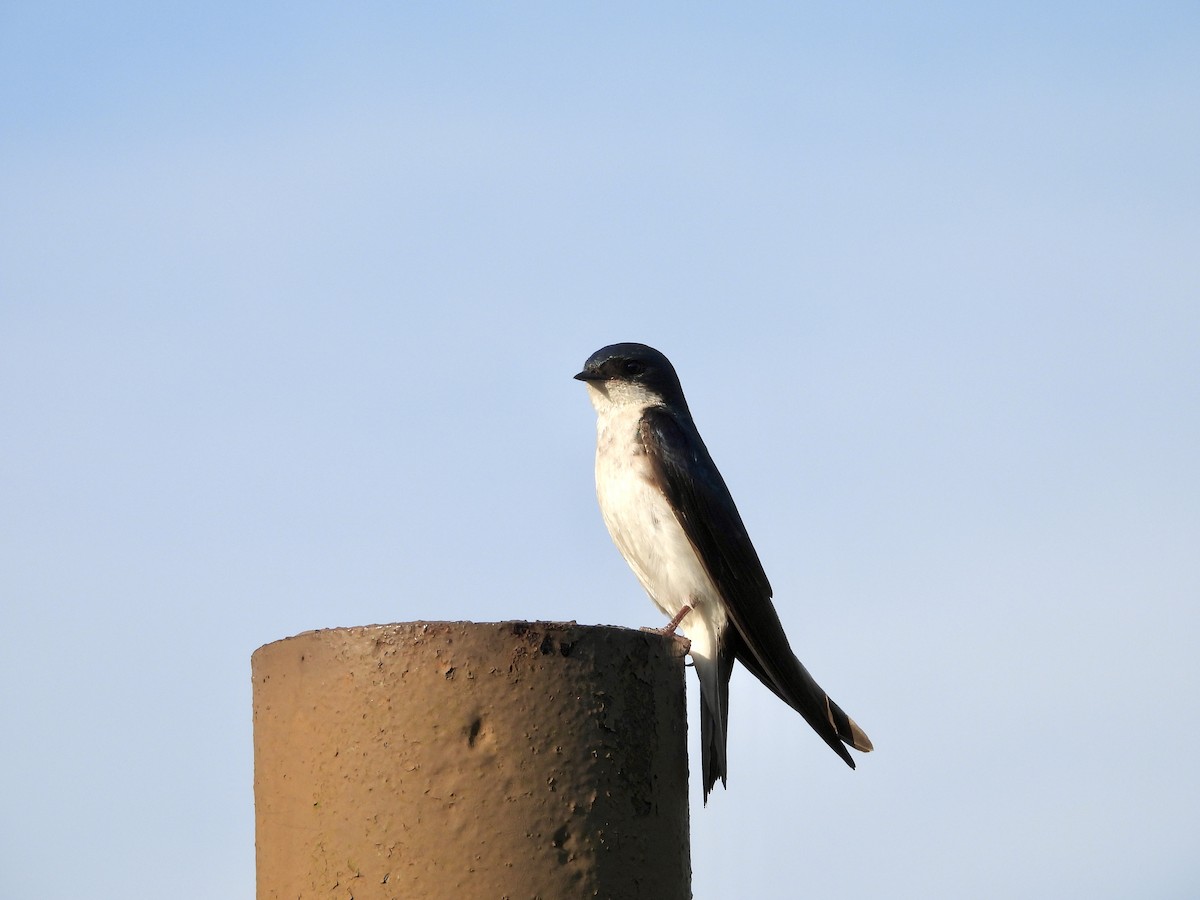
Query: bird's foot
(670, 627)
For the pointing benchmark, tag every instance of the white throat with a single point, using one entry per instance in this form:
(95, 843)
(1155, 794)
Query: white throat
(610, 396)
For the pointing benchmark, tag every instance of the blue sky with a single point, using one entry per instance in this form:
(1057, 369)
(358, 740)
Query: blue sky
(291, 295)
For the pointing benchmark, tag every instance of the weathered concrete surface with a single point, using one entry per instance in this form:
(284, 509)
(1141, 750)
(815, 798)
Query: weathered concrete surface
(471, 760)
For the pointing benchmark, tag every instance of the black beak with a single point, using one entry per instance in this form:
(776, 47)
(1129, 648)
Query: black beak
(585, 375)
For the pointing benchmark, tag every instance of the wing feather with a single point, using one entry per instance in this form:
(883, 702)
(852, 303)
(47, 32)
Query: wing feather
(710, 519)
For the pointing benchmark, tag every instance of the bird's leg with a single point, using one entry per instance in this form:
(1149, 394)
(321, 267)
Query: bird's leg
(670, 627)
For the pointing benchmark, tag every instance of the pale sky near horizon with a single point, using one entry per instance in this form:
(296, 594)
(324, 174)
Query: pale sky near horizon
(290, 301)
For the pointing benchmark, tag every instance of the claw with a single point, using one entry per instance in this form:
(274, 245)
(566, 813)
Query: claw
(670, 627)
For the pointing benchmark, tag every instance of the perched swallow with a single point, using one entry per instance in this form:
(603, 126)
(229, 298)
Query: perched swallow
(671, 516)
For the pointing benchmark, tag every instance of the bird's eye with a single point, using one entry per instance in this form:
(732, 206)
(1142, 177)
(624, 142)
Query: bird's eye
(632, 367)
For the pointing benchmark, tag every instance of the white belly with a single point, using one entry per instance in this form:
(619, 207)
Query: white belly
(645, 530)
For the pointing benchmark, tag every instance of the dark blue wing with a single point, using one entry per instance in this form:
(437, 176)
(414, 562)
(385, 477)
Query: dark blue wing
(709, 516)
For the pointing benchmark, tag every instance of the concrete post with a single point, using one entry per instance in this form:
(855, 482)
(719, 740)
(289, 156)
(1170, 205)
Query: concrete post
(465, 760)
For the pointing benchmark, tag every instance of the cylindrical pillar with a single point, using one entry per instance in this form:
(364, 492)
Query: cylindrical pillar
(471, 760)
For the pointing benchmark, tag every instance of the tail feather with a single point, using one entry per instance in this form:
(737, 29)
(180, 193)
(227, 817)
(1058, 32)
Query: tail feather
(796, 688)
(847, 729)
(712, 750)
(714, 677)
(803, 694)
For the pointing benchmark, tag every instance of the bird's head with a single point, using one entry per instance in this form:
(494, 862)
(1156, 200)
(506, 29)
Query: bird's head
(631, 374)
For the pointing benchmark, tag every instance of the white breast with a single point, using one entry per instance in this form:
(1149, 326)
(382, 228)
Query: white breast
(644, 527)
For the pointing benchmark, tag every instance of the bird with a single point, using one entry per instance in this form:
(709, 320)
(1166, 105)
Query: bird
(670, 514)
